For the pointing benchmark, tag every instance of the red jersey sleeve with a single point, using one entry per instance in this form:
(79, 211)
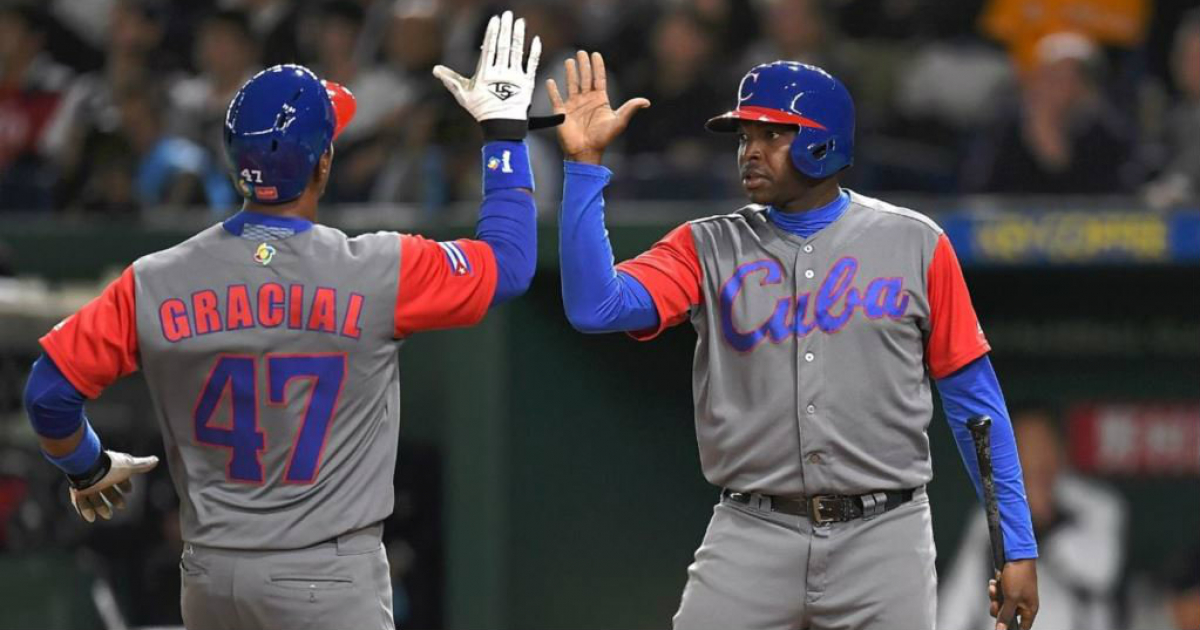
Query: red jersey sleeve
(445, 284)
(670, 271)
(955, 336)
(98, 344)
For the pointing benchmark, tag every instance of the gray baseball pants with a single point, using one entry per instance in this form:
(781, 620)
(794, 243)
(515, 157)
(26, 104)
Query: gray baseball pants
(336, 585)
(762, 570)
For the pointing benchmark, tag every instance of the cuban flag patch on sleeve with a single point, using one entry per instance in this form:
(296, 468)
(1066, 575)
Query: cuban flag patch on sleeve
(457, 258)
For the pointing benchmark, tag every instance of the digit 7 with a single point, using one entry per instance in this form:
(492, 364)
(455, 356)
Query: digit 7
(328, 374)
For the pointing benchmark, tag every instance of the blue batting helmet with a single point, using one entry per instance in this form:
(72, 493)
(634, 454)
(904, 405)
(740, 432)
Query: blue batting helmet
(278, 126)
(791, 93)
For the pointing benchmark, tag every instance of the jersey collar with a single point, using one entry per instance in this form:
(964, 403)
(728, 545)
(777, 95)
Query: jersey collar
(237, 223)
(805, 224)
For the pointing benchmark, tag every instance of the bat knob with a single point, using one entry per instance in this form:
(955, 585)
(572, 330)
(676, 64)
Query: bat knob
(979, 423)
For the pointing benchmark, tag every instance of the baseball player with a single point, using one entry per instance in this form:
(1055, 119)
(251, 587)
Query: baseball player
(269, 344)
(821, 316)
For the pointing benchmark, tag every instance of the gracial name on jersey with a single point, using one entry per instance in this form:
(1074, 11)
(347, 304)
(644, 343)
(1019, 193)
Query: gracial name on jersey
(269, 305)
(827, 310)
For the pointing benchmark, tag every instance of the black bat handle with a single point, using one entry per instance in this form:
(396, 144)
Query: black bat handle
(981, 436)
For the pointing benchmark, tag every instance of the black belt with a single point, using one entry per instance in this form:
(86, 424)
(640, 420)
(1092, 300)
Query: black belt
(825, 508)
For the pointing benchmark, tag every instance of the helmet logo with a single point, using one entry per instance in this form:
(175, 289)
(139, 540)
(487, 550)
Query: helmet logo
(504, 91)
(742, 94)
(794, 106)
(264, 254)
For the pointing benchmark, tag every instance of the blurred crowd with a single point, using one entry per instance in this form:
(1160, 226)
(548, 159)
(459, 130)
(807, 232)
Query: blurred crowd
(116, 106)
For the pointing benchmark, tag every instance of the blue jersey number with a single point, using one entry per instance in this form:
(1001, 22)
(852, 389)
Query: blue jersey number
(237, 376)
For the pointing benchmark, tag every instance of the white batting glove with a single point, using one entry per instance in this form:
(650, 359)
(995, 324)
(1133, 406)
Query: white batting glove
(500, 92)
(103, 488)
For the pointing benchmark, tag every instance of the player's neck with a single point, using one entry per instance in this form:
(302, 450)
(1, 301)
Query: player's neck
(301, 208)
(820, 194)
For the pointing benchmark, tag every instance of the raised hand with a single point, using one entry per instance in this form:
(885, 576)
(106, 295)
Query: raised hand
(591, 124)
(499, 93)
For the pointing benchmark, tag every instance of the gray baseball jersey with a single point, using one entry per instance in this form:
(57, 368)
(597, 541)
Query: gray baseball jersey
(812, 366)
(269, 347)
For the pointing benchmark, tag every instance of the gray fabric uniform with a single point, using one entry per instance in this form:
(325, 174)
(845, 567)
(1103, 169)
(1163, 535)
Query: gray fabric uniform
(289, 549)
(810, 378)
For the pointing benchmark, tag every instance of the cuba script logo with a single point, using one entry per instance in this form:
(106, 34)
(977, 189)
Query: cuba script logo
(832, 305)
(504, 91)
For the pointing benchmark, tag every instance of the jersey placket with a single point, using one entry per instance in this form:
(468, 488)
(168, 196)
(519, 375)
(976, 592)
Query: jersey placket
(807, 272)
(789, 250)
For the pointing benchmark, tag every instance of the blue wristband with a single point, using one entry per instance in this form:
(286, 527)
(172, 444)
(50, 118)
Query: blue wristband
(506, 165)
(83, 457)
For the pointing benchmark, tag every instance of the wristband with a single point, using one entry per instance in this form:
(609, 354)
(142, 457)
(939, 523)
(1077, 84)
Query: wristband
(506, 165)
(83, 458)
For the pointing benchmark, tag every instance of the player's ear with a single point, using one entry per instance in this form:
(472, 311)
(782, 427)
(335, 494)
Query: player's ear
(323, 168)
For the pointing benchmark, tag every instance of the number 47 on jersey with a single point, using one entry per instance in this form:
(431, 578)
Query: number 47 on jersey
(235, 377)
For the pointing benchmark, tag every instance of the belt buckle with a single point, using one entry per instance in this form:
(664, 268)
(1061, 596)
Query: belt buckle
(815, 508)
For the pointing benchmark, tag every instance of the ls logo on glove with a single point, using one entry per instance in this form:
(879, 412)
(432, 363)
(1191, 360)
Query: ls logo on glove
(504, 91)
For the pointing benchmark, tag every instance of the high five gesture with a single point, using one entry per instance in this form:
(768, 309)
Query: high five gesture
(591, 123)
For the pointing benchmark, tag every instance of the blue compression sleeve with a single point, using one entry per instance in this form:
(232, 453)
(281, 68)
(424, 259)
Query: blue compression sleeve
(596, 297)
(508, 217)
(54, 406)
(55, 410)
(971, 391)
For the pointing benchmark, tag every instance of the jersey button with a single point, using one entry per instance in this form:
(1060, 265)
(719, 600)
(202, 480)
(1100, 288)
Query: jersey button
(811, 409)
(808, 356)
(808, 273)
(808, 249)
(815, 458)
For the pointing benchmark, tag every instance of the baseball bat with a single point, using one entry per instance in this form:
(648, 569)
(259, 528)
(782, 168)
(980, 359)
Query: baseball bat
(981, 435)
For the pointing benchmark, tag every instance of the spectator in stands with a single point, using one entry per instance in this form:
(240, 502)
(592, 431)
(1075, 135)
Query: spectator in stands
(226, 56)
(139, 166)
(89, 111)
(402, 149)
(1180, 181)
(893, 21)
(31, 90)
(275, 24)
(795, 30)
(378, 91)
(1062, 136)
(735, 23)
(170, 170)
(1022, 24)
(463, 23)
(556, 24)
(672, 154)
(1080, 527)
